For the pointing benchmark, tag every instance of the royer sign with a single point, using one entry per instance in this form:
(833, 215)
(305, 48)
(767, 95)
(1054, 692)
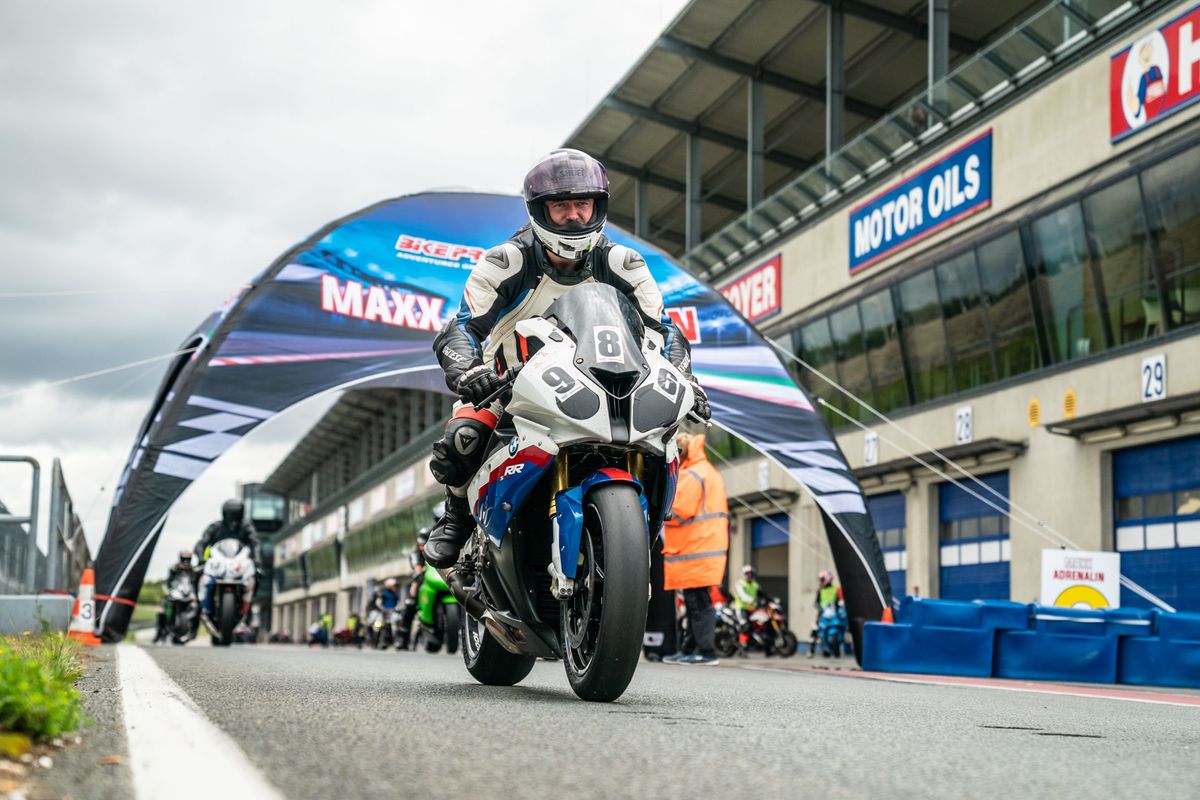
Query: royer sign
(1081, 579)
(757, 294)
(952, 188)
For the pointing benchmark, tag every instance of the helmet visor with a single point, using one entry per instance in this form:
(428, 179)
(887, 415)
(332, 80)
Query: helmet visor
(566, 174)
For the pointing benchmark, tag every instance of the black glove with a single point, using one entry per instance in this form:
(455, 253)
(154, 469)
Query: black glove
(478, 384)
(700, 407)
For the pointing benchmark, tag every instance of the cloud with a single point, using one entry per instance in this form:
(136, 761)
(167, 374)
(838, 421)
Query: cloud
(164, 153)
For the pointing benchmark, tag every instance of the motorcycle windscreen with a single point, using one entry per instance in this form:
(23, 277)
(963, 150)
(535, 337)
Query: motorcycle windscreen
(607, 330)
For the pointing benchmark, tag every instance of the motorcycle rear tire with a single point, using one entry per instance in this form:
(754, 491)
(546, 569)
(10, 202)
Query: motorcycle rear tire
(487, 660)
(615, 546)
(228, 617)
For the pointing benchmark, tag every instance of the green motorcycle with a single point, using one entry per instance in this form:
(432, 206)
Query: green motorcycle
(439, 613)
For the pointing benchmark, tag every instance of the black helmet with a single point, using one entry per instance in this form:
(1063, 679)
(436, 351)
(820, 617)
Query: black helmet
(231, 513)
(561, 175)
(422, 537)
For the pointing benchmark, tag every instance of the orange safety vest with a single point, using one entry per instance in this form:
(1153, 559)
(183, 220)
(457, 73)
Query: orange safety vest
(696, 535)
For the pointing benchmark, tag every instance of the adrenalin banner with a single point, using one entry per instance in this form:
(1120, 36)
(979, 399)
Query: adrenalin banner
(359, 303)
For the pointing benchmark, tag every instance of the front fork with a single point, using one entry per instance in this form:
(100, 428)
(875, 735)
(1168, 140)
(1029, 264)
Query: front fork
(560, 585)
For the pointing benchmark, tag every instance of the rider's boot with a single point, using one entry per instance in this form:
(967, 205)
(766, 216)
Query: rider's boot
(450, 533)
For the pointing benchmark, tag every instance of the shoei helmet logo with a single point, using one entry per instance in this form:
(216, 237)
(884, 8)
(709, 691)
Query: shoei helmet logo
(512, 447)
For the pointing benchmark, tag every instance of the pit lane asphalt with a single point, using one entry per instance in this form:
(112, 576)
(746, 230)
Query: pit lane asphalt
(350, 724)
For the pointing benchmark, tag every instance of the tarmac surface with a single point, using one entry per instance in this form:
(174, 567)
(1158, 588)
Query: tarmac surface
(350, 724)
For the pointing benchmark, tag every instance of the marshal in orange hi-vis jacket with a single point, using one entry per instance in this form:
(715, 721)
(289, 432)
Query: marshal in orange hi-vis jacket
(696, 535)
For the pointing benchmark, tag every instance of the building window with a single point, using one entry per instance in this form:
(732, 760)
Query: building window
(1172, 191)
(924, 337)
(1010, 308)
(816, 348)
(1116, 230)
(882, 339)
(1067, 288)
(966, 322)
(852, 360)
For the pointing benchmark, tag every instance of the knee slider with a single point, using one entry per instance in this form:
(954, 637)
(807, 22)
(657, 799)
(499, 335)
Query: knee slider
(460, 452)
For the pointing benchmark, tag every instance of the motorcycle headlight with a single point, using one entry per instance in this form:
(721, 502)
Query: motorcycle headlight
(215, 569)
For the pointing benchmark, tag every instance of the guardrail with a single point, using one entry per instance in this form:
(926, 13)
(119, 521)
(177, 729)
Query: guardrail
(18, 544)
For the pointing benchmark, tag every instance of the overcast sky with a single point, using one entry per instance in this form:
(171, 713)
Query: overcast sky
(157, 155)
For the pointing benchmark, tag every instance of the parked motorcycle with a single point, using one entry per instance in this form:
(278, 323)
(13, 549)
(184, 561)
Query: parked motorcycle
(182, 608)
(581, 468)
(226, 589)
(829, 635)
(725, 633)
(381, 628)
(439, 613)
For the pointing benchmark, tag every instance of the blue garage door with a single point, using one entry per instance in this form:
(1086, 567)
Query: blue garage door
(1157, 515)
(888, 516)
(975, 552)
(769, 531)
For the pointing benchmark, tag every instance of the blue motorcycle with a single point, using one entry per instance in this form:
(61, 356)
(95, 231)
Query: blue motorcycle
(830, 633)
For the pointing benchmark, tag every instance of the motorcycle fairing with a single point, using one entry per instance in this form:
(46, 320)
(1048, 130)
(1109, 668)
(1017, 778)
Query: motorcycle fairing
(568, 516)
(504, 481)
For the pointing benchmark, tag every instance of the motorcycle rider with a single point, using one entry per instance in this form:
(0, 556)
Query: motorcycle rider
(746, 596)
(382, 605)
(828, 593)
(232, 525)
(417, 561)
(566, 197)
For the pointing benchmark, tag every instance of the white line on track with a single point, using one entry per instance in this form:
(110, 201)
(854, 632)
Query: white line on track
(170, 739)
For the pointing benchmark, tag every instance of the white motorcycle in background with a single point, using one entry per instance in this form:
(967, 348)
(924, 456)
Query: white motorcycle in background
(230, 576)
(183, 608)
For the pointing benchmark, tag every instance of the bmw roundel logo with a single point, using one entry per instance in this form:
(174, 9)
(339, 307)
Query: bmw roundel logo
(512, 447)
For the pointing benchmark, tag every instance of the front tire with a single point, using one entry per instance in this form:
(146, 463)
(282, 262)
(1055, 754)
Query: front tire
(487, 660)
(604, 621)
(228, 617)
(789, 644)
(451, 626)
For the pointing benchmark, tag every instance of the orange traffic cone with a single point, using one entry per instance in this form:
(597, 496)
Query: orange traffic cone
(83, 620)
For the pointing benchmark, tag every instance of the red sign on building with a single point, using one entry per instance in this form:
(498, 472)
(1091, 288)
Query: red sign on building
(1156, 76)
(758, 293)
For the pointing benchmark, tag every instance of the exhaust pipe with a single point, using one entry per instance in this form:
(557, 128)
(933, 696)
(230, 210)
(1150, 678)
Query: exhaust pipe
(468, 598)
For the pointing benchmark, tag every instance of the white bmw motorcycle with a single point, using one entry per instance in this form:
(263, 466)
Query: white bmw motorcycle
(230, 578)
(579, 475)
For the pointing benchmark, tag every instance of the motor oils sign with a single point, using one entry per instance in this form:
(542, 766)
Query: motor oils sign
(1081, 579)
(1155, 76)
(757, 294)
(950, 189)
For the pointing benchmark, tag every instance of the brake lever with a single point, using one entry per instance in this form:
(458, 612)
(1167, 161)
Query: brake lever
(692, 416)
(506, 380)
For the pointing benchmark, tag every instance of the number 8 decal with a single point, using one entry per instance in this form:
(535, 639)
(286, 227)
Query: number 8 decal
(608, 344)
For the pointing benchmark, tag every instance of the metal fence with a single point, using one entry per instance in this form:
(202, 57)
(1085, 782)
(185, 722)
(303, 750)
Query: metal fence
(24, 568)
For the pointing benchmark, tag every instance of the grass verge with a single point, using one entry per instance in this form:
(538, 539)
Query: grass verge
(38, 697)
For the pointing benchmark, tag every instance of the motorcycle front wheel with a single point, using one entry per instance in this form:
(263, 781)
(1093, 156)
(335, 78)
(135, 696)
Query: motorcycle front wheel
(787, 647)
(228, 617)
(604, 621)
(451, 622)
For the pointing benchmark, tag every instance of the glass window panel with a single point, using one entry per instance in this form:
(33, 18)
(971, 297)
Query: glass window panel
(981, 75)
(990, 526)
(1187, 502)
(1054, 27)
(1017, 51)
(948, 531)
(1129, 508)
(890, 135)
(816, 348)
(1159, 505)
(1067, 287)
(852, 359)
(882, 337)
(1173, 204)
(924, 336)
(1010, 309)
(968, 528)
(966, 323)
(1116, 228)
